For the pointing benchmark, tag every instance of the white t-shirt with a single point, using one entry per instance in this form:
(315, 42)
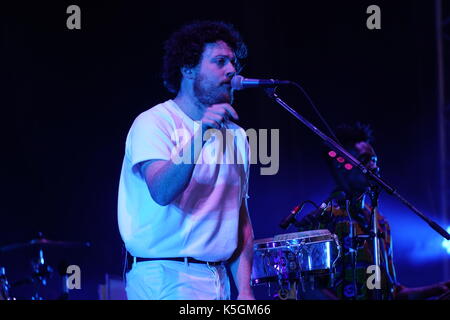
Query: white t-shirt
(202, 222)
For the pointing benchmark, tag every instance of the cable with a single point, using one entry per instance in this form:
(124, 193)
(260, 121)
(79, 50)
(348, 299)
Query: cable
(316, 110)
(301, 206)
(310, 202)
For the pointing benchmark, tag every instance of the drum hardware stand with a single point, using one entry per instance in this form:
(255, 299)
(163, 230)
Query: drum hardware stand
(352, 250)
(300, 275)
(374, 194)
(265, 254)
(288, 288)
(4, 285)
(333, 265)
(309, 278)
(269, 291)
(355, 162)
(288, 294)
(41, 272)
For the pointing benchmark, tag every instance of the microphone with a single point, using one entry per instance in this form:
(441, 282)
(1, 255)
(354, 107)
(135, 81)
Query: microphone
(336, 195)
(286, 222)
(239, 82)
(312, 216)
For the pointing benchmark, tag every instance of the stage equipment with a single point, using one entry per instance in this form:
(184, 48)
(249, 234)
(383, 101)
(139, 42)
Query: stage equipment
(41, 271)
(287, 261)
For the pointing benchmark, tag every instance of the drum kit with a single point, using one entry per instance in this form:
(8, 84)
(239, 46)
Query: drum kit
(40, 271)
(290, 261)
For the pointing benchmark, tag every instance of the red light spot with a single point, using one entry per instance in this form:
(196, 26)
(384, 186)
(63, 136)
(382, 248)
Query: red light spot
(340, 159)
(348, 166)
(332, 154)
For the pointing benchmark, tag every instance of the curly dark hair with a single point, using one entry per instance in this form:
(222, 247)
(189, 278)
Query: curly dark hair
(185, 48)
(350, 134)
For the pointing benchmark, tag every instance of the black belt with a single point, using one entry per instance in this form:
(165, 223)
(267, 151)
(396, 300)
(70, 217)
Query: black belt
(189, 260)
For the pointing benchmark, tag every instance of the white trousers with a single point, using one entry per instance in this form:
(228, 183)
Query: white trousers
(175, 280)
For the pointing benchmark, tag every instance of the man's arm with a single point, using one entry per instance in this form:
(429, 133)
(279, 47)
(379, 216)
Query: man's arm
(241, 263)
(166, 179)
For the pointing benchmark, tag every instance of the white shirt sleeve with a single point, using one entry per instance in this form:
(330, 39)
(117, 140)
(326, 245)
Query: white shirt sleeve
(148, 139)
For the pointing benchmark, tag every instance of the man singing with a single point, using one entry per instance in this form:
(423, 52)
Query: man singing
(185, 221)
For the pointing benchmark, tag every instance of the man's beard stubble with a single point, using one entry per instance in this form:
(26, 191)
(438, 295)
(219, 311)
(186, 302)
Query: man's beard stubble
(209, 95)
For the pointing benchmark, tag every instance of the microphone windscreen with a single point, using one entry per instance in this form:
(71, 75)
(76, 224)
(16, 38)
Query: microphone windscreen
(236, 82)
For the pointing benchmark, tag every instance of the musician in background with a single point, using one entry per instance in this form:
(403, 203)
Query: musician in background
(349, 217)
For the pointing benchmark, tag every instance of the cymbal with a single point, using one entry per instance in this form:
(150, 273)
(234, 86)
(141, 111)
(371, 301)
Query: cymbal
(44, 243)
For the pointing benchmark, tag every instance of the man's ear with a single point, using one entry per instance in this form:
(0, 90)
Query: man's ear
(187, 72)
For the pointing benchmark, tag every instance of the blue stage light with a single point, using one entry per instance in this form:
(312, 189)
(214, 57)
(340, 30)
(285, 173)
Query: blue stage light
(446, 243)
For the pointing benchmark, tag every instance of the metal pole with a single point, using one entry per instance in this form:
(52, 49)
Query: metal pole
(442, 125)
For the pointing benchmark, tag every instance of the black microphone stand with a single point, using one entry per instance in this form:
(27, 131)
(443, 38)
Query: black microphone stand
(349, 158)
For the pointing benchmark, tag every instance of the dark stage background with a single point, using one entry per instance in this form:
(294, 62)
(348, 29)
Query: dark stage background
(70, 96)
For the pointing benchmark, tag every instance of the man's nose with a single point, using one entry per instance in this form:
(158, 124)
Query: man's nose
(231, 71)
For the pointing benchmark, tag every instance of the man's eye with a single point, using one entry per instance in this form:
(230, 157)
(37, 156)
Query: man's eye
(221, 62)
